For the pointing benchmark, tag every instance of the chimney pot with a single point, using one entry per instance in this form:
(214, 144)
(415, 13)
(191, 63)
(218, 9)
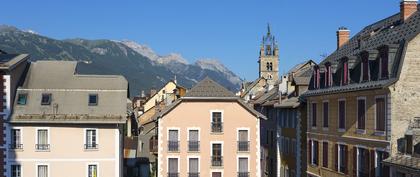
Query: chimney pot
(407, 8)
(343, 36)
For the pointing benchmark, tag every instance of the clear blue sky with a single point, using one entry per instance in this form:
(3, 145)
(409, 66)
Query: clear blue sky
(229, 30)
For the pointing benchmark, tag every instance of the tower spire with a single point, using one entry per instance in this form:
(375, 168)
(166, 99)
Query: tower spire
(268, 28)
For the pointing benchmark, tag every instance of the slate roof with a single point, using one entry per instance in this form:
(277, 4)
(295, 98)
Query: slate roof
(392, 32)
(9, 61)
(209, 88)
(405, 161)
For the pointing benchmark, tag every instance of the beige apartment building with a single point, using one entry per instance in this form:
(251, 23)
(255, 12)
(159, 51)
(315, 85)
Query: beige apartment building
(209, 132)
(66, 124)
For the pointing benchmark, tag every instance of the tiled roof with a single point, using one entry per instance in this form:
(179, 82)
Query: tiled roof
(405, 161)
(209, 88)
(271, 93)
(351, 87)
(288, 103)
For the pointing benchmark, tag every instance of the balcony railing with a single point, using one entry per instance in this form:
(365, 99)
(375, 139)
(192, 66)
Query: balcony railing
(172, 174)
(216, 161)
(173, 146)
(91, 146)
(243, 174)
(16, 146)
(193, 146)
(243, 146)
(191, 174)
(216, 127)
(42, 147)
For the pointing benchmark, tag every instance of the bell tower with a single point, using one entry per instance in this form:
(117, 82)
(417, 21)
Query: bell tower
(269, 58)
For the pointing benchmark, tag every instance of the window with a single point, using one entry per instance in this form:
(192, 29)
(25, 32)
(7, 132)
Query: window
(46, 99)
(243, 142)
(173, 143)
(22, 98)
(173, 167)
(328, 75)
(361, 113)
(193, 167)
(380, 170)
(325, 154)
(16, 171)
(243, 167)
(153, 144)
(365, 66)
(341, 158)
(91, 139)
(193, 142)
(325, 114)
(42, 140)
(362, 162)
(342, 114)
(316, 77)
(216, 174)
(345, 73)
(93, 99)
(216, 158)
(384, 62)
(42, 170)
(314, 152)
(92, 170)
(380, 114)
(16, 139)
(313, 114)
(217, 125)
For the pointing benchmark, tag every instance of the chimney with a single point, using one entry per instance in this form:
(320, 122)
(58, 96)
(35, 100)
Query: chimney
(408, 8)
(343, 36)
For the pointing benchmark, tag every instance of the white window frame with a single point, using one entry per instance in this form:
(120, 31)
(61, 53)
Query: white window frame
(237, 162)
(188, 162)
(48, 139)
(15, 163)
(41, 164)
(188, 131)
(380, 133)
(216, 110)
(97, 168)
(21, 135)
(325, 128)
(361, 131)
(85, 133)
(167, 163)
(216, 142)
(338, 114)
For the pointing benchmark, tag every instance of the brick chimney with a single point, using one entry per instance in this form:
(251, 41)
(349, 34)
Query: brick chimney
(408, 8)
(343, 36)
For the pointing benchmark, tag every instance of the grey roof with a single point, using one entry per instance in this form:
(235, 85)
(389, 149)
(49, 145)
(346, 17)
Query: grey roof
(392, 32)
(61, 75)
(405, 161)
(209, 88)
(69, 101)
(292, 102)
(9, 61)
(301, 80)
(267, 96)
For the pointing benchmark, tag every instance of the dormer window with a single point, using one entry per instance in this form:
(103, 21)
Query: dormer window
(345, 73)
(365, 66)
(328, 75)
(46, 99)
(316, 77)
(383, 63)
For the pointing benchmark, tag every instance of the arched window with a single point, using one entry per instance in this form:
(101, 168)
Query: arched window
(271, 66)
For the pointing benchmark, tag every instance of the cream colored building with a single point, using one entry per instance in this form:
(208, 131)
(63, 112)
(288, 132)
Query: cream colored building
(167, 93)
(66, 124)
(209, 132)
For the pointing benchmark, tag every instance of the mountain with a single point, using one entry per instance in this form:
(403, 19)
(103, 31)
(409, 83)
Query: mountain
(143, 68)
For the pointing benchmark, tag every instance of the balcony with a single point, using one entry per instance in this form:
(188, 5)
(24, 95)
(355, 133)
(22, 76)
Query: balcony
(216, 127)
(91, 146)
(196, 174)
(42, 147)
(172, 174)
(16, 146)
(193, 146)
(243, 174)
(243, 146)
(173, 146)
(216, 161)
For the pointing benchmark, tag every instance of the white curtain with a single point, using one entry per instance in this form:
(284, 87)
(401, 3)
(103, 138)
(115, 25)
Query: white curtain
(243, 164)
(42, 136)
(42, 171)
(193, 165)
(194, 135)
(173, 165)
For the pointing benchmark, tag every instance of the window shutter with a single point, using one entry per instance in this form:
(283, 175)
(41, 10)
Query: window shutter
(354, 161)
(309, 152)
(372, 163)
(316, 152)
(336, 157)
(346, 160)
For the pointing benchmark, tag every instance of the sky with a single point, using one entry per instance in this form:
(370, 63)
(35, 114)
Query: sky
(227, 30)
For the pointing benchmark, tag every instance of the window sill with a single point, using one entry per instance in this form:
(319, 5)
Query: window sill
(341, 130)
(216, 133)
(379, 133)
(361, 131)
(173, 151)
(38, 150)
(325, 128)
(96, 149)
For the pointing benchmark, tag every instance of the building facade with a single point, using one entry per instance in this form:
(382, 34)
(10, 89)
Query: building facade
(12, 70)
(209, 132)
(67, 124)
(363, 96)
